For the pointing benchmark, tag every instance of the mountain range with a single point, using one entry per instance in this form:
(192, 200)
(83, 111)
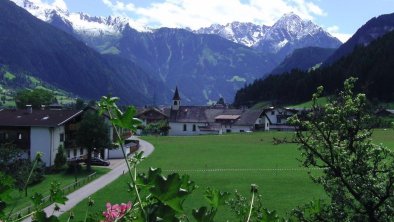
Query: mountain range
(204, 64)
(28, 44)
(288, 33)
(368, 55)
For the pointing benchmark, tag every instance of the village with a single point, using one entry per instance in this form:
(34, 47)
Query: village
(46, 129)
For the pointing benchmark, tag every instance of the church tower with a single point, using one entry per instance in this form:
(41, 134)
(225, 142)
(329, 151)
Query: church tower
(176, 100)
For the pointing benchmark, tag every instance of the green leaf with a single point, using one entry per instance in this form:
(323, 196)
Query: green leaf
(160, 212)
(269, 216)
(40, 216)
(107, 103)
(215, 197)
(126, 120)
(37, 199)
(170, 191)
(56, 194)
(204, 215)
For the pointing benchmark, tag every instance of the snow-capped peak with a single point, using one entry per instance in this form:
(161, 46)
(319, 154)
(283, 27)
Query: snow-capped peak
(244, 33)
(80, 22)
(296, 26)
(288, 33)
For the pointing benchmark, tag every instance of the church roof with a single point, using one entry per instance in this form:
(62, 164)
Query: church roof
(176, 94)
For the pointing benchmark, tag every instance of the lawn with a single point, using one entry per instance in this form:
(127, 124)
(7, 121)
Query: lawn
(18, 199)
(320, 101)
(244, 158)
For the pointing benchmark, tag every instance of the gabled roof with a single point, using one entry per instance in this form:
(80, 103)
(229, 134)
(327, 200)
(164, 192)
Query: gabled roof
(44, 118)
(249, 117)
(194, 114)
(205, 114)
(148, 110)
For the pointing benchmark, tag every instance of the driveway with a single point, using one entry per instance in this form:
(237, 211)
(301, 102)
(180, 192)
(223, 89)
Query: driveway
(119, 167)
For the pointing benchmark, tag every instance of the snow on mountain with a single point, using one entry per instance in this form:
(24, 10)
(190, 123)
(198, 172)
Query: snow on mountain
(80, 23)
(289, 32)
(244, 33)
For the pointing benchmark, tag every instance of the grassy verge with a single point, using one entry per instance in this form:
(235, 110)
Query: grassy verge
(17, 200)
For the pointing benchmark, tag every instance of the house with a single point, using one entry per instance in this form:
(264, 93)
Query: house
(43, 131)
(275, 118)
(384, 112)
(198, 120)
(151, 115)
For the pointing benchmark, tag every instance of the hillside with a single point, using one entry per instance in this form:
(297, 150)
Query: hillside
(204, 67)
(29, 44)
(303, 59)
(373, 29)
(11, 82)
(372, 65)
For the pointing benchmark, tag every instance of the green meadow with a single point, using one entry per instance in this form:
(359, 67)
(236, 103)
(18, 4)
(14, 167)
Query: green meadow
(229, 162)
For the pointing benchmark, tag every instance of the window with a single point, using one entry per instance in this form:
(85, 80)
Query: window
(62, 137)
(19, 136)
(68, 153)
(194, 127)
(75, 152)
(241, 131)
(81, 151)
(175, 103)
(228, 130)
(272, 112)
(184, 127)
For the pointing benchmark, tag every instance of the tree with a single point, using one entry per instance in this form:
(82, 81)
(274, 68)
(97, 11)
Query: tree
(35, 97)
(79, 104)
(358, 175)
(93, 134)
(60, 158)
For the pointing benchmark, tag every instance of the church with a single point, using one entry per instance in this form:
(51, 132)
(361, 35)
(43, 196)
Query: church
(214, 119)
(218, 118)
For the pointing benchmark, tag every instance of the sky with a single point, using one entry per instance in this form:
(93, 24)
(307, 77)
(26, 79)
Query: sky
(341, 18)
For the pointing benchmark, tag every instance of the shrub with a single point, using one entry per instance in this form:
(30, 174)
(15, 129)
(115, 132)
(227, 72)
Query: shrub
(60, 159)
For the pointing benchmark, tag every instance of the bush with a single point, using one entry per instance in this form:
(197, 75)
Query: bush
(21, 172)
(73, 167)
(60, 159)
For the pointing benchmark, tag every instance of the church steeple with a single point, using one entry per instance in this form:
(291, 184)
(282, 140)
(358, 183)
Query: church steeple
(176, 100)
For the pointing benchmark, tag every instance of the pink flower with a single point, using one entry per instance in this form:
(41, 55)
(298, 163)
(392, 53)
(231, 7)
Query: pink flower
(116, 211)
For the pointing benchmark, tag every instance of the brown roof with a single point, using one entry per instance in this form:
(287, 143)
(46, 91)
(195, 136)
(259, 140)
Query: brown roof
(143, 112)
(47, 118)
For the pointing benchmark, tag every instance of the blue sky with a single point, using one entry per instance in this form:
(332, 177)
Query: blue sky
(340, 17)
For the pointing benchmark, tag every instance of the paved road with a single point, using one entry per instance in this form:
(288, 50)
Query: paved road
(119, 167)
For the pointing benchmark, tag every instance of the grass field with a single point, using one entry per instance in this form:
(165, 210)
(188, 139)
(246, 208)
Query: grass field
(247, 158)
(18, 200)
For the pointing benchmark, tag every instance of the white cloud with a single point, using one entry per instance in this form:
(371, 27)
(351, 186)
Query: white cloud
(334, 31)
(202, 13)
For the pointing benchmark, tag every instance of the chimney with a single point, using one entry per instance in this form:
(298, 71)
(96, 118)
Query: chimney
(29, 109)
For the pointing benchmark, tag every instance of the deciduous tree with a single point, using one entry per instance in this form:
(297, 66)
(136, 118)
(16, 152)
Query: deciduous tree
(358, 175)
(35, 97)
(93, 133)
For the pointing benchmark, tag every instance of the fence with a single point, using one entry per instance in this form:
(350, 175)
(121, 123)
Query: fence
(46, 200)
